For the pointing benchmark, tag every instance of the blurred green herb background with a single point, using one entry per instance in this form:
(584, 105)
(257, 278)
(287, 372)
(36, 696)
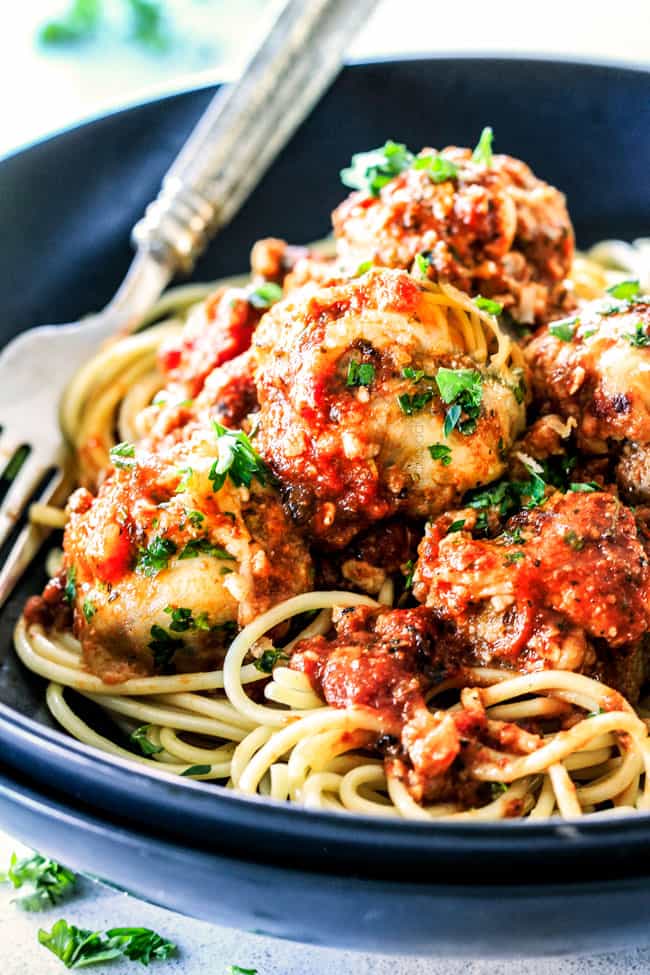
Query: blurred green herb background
(148, 23)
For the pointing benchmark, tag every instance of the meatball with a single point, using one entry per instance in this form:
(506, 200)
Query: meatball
(372, 404)
(565, 586)
(596, 368)
(221, 554)
(493, 229)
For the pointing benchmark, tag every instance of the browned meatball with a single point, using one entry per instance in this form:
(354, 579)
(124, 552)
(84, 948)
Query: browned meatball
(595, 368)
(566, 586)
(492, 229)
(352, 420)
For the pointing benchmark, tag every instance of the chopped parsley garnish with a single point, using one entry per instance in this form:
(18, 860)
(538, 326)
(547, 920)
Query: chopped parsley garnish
(269, 659)
(237, 460)
(564, 330)
(462, 390)
(78, 23)
(360, 373)
(186, 476)
(140, 738)
(265, 295)
(49, 882)
(203, 546)
(410, 404)
(438, 168)
(639, 337)
(195, 518)
(197, 770)
(513, 557)
(156, 556)
(163, 646)
(486, 304)
(370, 171)
(575, 541)
(183, 619)
(440, 452)
(483, 151)
(625, 290)
(507, 497)
(122, 456)
(77, 947)
(410, 572)
(514, 537)
(414, 374)
(88, 610)
(423, 263)
(238, 970)
(498, 788)
(363, 267)
(456, 526)
(70, 590)
(584, 487)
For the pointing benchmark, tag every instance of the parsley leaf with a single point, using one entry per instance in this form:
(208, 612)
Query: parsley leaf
(184, 483)
(423, 263)
(360, 373)
(265, 295)
(463, 389)
(363, 267)
(639, 337)
(163, 646)
(156, 556)
(513, 557)
(78, 24)
(483, 151)
(456, 526)
(197, 770)
(140, 738)
(370, 171)
(122, 456)
(183, 619)
(625, 290)
(78, 947)
(238, 970)
(486, 304)
(203, 546)
(410, 572)
(269, 659)
(70, 591)
(415, 374)
(237, 460)
(49, 881)
(441, 452)
(88, 610)
(410, 404)
(439, 169)
(195, 518)
(584, 487)
(565, 329)
(148, 23)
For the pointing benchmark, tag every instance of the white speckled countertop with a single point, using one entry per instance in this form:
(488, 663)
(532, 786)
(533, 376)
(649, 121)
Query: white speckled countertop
(205, 949)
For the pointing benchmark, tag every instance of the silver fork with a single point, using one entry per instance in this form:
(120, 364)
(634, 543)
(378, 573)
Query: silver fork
(242, 131)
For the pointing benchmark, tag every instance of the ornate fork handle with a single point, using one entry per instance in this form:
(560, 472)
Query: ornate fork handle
(245, 126)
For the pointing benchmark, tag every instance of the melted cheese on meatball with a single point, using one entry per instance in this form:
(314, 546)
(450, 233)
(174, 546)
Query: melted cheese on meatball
(352, 420)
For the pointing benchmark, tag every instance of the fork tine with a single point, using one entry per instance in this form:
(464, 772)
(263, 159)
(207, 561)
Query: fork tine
(26, 546)
(19, 493)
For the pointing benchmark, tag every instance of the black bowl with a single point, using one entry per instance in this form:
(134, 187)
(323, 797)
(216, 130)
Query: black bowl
(66, 208)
